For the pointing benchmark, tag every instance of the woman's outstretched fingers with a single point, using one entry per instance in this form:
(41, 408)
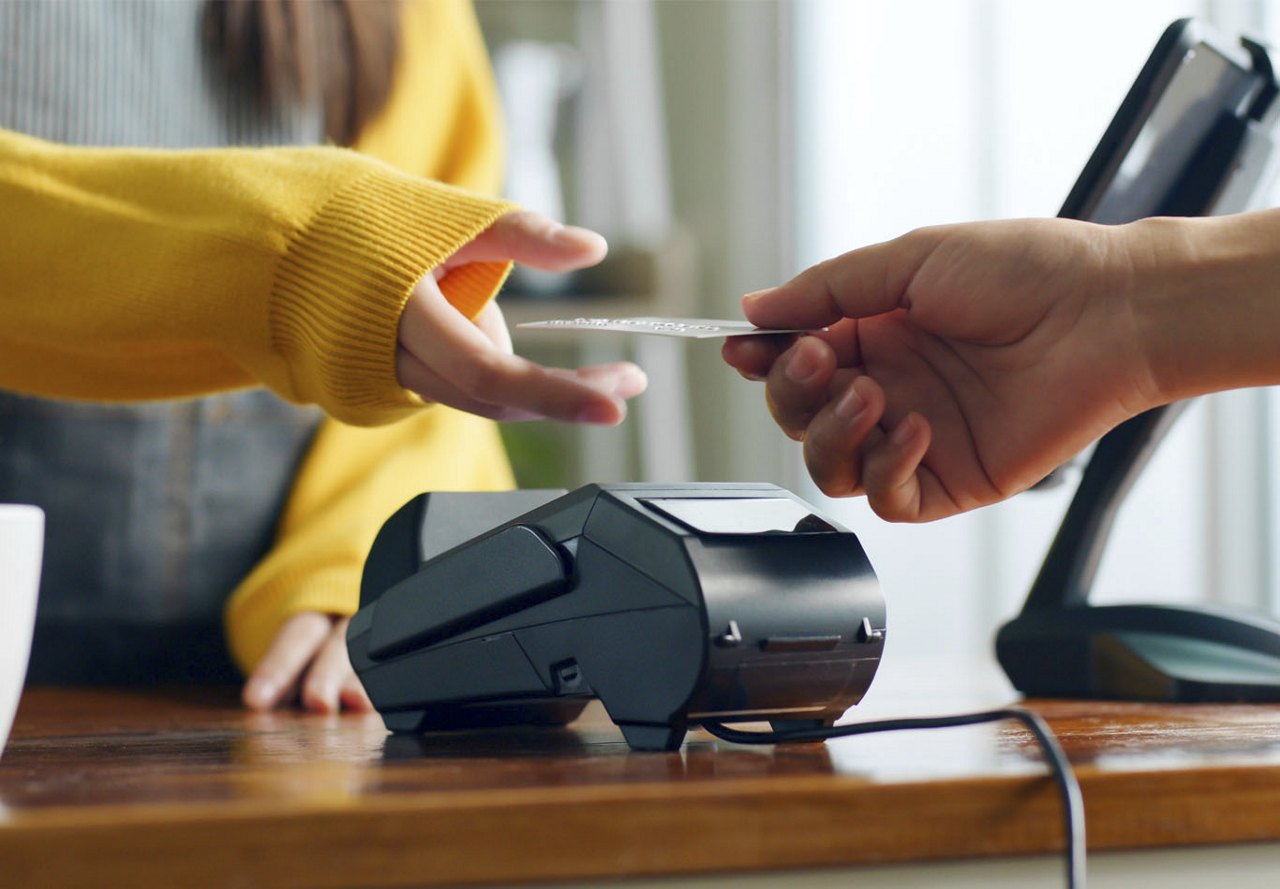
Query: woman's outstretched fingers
(534, 240)
(898, 488)
(323, 686)
(459, 365)
(619, 378)
(835, 440)
(276, 676)
(354, 697)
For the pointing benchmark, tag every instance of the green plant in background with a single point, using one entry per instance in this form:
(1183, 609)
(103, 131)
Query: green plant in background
(542, 454)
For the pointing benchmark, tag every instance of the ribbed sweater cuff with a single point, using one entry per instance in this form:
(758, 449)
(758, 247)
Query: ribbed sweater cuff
(345, 278)
(252, 625)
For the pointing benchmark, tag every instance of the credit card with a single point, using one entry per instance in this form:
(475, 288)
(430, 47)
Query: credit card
(692, 328)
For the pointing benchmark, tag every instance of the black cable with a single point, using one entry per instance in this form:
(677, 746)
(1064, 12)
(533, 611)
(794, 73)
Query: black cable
(1064, 777)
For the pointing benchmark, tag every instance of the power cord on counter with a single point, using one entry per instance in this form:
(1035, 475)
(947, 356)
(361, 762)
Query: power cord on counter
(1064, 777)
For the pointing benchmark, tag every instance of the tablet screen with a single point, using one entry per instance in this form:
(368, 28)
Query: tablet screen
(1205, 84)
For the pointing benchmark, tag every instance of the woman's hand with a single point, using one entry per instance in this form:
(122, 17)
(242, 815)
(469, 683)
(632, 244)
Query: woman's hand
(307, 662)
(962, 363)
(448, 358)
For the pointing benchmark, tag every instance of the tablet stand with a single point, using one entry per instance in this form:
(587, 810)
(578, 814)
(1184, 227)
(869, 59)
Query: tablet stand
(1061, 646)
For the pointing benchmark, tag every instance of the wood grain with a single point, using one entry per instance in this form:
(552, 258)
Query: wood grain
(161, 789)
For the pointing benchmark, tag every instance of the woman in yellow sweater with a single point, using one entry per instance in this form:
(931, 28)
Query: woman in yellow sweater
(356, 280)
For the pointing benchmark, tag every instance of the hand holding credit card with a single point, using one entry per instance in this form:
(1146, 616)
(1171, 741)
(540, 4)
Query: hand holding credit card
(690, 328)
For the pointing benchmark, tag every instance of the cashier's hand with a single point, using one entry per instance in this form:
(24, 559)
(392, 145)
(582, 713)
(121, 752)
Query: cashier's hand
(307, 662)
(962, 363)
(448, 358)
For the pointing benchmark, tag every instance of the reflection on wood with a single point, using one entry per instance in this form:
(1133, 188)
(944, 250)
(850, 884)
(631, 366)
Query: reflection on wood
(100, 787)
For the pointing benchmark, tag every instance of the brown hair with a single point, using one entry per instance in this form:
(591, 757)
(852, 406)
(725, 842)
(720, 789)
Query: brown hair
(340, 53)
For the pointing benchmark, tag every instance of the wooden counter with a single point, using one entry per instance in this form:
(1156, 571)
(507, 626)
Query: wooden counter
(110, 788)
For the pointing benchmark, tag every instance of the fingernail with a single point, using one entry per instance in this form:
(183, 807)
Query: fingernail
(756, 294)
(260, 692)
(574, 236)
(635, 371)
(802, 366)
(631, 381)
(320, 699)
(850, 405)
(903, 432)
(600, 414)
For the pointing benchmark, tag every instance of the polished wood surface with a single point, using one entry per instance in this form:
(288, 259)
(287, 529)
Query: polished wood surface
(105, 788)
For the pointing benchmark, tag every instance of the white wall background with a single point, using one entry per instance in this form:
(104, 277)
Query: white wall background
(915, 112)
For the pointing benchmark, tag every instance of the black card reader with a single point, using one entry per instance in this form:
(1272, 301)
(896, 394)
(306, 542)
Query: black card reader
(672, 604)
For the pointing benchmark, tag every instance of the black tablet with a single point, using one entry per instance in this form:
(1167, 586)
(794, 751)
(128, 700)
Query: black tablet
(1178, 144)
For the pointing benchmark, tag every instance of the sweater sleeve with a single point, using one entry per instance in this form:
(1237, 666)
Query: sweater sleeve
(352, 480)
(139, 274)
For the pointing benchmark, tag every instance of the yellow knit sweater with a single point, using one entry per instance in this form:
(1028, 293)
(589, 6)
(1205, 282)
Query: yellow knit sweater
(129, 274)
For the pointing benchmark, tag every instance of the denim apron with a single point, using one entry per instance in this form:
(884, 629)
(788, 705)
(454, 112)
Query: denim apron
(155, 511)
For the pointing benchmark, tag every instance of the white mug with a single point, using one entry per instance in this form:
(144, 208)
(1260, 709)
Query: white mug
(21, 545)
